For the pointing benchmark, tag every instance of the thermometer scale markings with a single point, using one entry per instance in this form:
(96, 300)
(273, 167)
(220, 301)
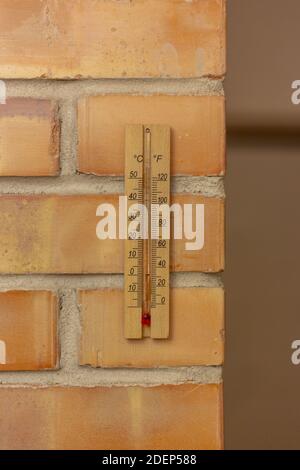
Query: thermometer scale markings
(146, 261)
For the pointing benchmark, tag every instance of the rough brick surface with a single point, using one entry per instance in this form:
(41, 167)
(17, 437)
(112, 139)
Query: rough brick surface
(57, 234)
(197, 131)
(138, 61)
(196, 335)
(28, 330)
(165, 417)
(29, 137)
(139, 38)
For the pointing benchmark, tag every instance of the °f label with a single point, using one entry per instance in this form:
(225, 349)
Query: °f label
(147, 248)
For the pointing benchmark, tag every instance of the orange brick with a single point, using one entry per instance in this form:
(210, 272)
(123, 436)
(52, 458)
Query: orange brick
(29, 137)
(57, 234)
(137, 38)
(28, 337)
(197, 130)
(164, 417)
(196, 336)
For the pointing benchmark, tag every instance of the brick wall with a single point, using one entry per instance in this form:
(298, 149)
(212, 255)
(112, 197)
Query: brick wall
(74, 379)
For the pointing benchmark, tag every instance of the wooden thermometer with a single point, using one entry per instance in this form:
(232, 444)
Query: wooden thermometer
(147, 253)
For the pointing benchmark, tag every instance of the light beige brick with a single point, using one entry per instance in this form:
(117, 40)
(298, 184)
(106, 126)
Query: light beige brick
(57, 234)
(29, 137)
(197, 131)
(108, 38)
(196, 335)
(165, 417)
(28, 330)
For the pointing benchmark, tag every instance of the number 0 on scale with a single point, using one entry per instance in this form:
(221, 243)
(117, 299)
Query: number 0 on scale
(147, 256)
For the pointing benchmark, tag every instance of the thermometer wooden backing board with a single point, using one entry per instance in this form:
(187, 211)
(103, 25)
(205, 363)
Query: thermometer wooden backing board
(147, 253)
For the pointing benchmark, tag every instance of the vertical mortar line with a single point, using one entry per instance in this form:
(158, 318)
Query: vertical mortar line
(68, 138)
(69, 329)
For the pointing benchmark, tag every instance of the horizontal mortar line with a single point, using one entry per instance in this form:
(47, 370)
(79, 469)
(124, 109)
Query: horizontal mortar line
(89, 184)
(189, 280)
(74, 89)
(89, 377)
(98, 281)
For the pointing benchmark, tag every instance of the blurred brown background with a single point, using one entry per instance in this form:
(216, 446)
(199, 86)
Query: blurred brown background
(262, 387)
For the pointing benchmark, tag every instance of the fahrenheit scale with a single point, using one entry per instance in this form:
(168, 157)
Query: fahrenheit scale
(147, 254)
